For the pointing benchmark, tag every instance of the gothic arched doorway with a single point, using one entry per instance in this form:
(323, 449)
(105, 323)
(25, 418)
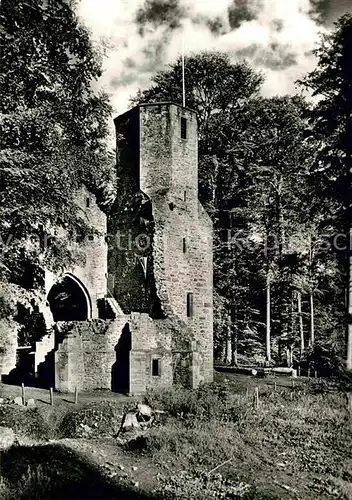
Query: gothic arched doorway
(69, 300)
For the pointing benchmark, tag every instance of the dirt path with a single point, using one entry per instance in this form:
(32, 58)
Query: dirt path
(42, 396)
(140, 473)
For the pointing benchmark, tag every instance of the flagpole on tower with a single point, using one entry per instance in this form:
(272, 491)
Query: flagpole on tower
(183, 72)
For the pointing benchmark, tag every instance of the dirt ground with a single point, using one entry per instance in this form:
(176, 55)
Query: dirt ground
(42, 396)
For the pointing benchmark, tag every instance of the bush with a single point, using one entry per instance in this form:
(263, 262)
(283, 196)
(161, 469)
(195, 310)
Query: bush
(25, 421)
(207, 402)
(95, 420)
(323, 357)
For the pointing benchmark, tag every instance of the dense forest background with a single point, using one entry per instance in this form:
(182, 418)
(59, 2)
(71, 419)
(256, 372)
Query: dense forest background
(274, 175)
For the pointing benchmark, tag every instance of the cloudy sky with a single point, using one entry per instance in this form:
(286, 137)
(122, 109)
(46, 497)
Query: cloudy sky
(143, 36)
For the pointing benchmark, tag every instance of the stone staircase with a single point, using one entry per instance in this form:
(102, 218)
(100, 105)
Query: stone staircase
(114, 307)
(109, 308)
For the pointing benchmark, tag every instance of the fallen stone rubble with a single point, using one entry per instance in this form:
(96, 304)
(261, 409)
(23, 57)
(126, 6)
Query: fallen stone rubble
(17, 401)
(139, 418)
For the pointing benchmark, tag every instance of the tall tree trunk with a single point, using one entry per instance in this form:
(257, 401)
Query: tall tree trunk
(292, 313)
(228, 358)
(222, 349)
(349, 328)
(280, 215)
(300, 322)
(214, 179)
(289, 355)
(234, 349)
(268, 319)
(312, 319)
(311, 296)
(234, 329)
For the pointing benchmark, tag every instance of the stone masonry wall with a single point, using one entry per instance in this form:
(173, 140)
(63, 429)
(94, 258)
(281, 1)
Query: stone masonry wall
(156, 166)
(91, 270)
(151, 339)
(42, 348)
(86, 356)
(180, 260)
(182, 247)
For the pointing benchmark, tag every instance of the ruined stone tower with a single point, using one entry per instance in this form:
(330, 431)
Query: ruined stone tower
(137, 311)
(157, 162)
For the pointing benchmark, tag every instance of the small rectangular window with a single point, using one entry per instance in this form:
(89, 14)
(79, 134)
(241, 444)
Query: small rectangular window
(190, 305)
(184, 243)
(87, 202)
(156, 364)
(79, 237)
(183, 128)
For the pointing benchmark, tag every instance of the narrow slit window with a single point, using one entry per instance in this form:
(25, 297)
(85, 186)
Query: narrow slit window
(156, 371)
(87, 202)
(184, 244)
(184, 195)
(42, 237)
(183, 128)
(190, 305)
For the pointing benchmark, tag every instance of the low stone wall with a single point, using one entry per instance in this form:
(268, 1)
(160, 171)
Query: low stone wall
(120, 354)
(85, 357)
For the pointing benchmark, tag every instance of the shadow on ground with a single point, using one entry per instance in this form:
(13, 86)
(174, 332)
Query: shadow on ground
(52, 472)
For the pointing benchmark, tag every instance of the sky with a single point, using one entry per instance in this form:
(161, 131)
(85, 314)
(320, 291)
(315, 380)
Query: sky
(141, 37)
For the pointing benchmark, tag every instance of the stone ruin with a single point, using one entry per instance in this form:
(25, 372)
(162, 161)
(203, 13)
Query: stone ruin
(137, 311)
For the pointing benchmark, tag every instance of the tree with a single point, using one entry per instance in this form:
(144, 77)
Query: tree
(331, 124)
(268, 148)
(214, 86)
(53, 127)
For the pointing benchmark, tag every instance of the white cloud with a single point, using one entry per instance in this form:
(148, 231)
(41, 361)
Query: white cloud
(133, 59)
(211, 8)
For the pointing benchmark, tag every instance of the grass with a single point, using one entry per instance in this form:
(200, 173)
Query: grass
(93, 419)
(296, 444)
(296, 435)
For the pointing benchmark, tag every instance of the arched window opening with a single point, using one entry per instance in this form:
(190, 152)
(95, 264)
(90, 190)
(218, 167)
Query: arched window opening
(69, 301)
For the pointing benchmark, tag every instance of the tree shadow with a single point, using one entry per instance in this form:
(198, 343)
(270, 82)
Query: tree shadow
(53, 472)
